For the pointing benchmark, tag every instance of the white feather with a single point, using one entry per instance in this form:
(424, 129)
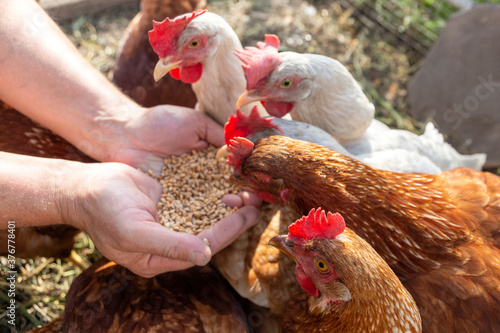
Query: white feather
(222, 81)
(337, 104)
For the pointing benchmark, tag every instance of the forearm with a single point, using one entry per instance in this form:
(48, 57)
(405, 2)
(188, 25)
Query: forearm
(29, 190)
(45, 77)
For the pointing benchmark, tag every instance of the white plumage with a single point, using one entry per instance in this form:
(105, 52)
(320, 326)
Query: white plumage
(327, 96)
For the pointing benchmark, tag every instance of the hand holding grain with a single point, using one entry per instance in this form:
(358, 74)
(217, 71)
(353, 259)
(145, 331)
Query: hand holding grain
(150, 134)
(117, 206)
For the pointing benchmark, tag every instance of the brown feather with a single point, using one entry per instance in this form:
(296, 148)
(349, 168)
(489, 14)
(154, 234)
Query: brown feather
(110, 298)
(256, 270)
(435, 231)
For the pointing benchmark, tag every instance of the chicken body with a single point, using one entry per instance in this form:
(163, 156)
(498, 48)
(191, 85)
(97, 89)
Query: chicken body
(109, 298)
(256, 270)
(254, 128)
(439, 233)
(319, 90)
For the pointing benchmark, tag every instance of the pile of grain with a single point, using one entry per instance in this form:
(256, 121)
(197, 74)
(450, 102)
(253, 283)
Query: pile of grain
(192, 187)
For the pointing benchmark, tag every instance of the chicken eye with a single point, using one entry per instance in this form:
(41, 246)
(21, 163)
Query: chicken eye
(194, 43)
(287, 83)
(322, 265)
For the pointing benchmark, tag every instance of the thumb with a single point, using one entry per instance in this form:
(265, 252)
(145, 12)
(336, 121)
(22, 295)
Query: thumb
(214, 132)
(153, 238)
(151, 162)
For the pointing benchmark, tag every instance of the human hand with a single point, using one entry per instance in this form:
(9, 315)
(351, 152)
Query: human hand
(151, 134)
(116, 205)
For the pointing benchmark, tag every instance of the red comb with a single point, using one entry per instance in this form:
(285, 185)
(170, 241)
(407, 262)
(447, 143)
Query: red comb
(259, 61)
(164, 36)
(240, 124)
(239, 148)
(317, 225)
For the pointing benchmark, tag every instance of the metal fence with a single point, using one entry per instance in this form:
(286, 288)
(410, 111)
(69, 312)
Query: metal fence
(416, 23)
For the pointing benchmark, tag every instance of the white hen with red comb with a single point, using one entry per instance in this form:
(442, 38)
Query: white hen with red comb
(319, 90)
(199, 49)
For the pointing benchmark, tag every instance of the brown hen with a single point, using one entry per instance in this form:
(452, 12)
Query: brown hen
(136, 60)
(439, 233)
(347, 286)
(110, 298)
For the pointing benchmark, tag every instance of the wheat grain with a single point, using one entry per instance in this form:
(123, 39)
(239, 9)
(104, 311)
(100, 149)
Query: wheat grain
(192, 187)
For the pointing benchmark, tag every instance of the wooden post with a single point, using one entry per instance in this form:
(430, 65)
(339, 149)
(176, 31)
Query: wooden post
(67, 9)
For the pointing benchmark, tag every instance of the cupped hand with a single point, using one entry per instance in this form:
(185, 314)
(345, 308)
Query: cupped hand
(154, 133)
(116, 205)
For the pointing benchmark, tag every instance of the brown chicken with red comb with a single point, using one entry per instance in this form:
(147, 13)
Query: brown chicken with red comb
(109, 298)
(348, 286)
(439, 233)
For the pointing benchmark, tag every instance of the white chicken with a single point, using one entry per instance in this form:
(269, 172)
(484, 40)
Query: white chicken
(198, 48)
(319, 90)
(253, 127)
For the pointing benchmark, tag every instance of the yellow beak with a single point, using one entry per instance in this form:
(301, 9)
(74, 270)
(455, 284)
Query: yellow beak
(248, 97)
(163, 66)
(279, 242)
(222, 154)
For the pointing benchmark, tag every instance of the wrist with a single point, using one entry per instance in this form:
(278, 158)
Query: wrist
(108, 131)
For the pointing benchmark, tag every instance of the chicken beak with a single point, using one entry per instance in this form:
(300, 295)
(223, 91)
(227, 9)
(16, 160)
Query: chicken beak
(163, 66)
(280, 243)
(248, 97)
(222, 153)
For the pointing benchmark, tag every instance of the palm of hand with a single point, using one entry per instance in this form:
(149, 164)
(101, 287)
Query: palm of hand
(165, 130)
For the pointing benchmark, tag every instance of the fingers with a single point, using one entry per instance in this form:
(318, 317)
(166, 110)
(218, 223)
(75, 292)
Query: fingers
(249, 198)
(153, 238)
(146, 184)
(232, 200)
(229, 228)
(214, 133)
(157, 265)
(151, 162)
(241, 199)
(199, 145)
(175, 251)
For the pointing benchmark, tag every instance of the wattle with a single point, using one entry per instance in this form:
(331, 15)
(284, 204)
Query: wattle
(277, 109)
(305, 282)
(188, 74)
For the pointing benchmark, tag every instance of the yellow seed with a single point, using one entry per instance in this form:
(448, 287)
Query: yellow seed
(192, 184)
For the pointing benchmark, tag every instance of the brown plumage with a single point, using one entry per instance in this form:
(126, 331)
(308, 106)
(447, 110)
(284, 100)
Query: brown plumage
(369, 296)
(439, 233)
(55, 241)
(256, 270)
(20, 135)
(133, 71)
(109, 298)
